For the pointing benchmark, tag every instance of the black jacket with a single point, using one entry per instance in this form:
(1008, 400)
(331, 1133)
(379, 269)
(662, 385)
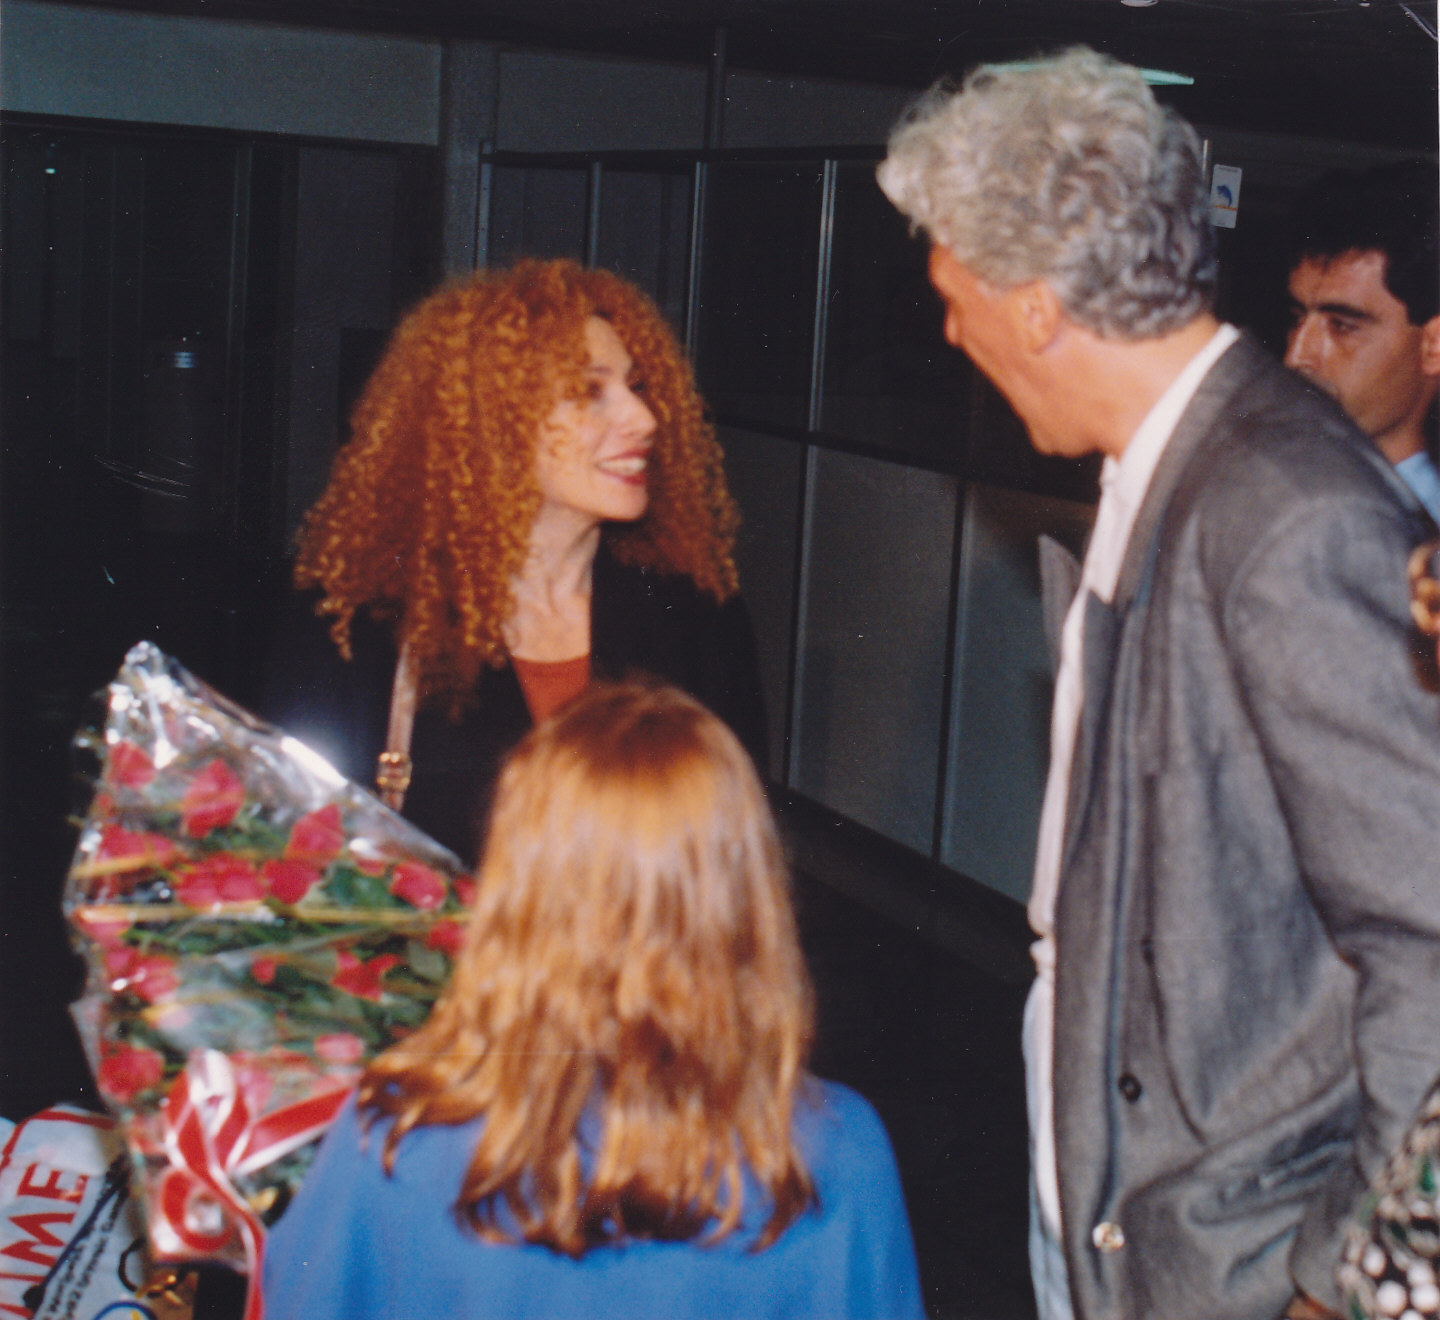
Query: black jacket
(641, 622)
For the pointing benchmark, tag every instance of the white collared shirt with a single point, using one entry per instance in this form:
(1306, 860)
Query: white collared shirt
(1123, 484)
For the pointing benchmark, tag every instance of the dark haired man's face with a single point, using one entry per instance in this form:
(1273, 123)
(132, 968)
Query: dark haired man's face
(1353, 338)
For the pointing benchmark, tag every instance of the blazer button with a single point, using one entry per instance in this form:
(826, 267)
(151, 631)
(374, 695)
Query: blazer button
(1107, 1237)
(1130, 1087)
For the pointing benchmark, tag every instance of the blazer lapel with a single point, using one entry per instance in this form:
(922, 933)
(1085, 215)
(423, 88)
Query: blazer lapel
(1210, 402)
(1104, 624)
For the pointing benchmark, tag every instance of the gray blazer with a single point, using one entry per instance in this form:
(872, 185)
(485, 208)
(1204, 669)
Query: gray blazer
(1248, 924)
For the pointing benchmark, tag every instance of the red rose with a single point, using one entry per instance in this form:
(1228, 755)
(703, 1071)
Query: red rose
(219, 879)
(289, 881)
(213, 799)
(447, 936)
(465, 889)
(418, 885)
(316, 836)
(118, 844)
(105, 931)
(130, 766)
(126, 1071)
(151, 976)
(361, 979)
(263, 969)
(340, 1047)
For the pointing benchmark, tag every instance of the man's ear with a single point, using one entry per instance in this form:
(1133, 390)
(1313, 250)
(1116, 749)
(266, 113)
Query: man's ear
(1430, 347)
(1040, 314)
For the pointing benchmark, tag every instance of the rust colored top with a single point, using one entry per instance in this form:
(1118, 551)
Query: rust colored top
(549, 684)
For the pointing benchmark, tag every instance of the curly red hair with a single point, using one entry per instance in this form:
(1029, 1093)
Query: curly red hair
(427, 515)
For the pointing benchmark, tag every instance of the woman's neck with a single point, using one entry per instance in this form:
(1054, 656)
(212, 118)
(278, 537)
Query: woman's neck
(551, 620)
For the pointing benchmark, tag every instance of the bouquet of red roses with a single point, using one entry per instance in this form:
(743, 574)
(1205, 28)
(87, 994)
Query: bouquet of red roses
(256, 927)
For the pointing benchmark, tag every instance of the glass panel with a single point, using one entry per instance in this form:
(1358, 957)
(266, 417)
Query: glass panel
(999, 451)
(189, 215)
(141, 268)
(764, 475)
(757, 305)
(185, 262)
(259, 504)
(873, 647)
(890, 377)
(536, 212)
(645, 234)
(1000, 715)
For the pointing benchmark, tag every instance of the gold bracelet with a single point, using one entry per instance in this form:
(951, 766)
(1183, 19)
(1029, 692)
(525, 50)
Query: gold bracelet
(393, 773)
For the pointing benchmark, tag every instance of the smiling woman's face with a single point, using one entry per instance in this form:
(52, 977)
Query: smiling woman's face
(594, 451)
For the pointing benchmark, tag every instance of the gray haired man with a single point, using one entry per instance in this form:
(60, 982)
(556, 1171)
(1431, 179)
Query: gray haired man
(1237, 884)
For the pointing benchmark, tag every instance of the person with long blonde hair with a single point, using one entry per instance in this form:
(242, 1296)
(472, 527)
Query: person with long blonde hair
(531, 497)
(608, 1112)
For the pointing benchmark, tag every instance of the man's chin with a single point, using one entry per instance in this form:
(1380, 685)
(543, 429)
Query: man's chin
(1050, 446)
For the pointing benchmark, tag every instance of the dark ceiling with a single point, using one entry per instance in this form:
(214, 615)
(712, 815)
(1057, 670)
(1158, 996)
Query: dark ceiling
(1362, 70)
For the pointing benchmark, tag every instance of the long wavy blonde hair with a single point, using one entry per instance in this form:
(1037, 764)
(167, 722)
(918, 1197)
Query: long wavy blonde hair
(631, 966)
(428, 512)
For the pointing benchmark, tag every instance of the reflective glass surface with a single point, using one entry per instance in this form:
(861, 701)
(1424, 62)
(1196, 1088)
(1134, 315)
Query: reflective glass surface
(536, 211)
(757, 303)
(890, 377)
(1000, 712)
(872, 659)
(645, 233)
(765, 474)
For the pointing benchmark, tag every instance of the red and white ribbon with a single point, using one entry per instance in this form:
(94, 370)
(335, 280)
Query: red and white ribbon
(210, 1137)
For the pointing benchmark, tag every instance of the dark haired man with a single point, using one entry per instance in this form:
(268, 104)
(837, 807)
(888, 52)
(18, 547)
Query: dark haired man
(1365, 308)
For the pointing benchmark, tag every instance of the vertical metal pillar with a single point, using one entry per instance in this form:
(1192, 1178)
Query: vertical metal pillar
(715, 93)
(821, 325)
(697, 247)
(949, 697)
(469, 84)
(482, 206)
(814, 413)
(714, 134)
(594, 181)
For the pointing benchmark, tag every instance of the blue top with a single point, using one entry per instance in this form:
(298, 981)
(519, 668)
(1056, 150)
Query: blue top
(1419, 473)
(358, 1244)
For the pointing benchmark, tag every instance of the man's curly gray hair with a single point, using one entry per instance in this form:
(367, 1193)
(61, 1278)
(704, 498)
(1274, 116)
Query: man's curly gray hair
(1063, 168)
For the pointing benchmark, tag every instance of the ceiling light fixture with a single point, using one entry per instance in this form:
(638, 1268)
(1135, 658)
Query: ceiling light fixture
(1162, 78)
(1138, 4)
(1155, 77)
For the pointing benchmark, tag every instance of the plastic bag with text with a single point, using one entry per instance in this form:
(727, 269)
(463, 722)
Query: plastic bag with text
(72, 1243)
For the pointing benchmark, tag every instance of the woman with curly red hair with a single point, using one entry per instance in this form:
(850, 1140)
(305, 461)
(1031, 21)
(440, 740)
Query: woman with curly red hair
(608, 1113)
(531, 497)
